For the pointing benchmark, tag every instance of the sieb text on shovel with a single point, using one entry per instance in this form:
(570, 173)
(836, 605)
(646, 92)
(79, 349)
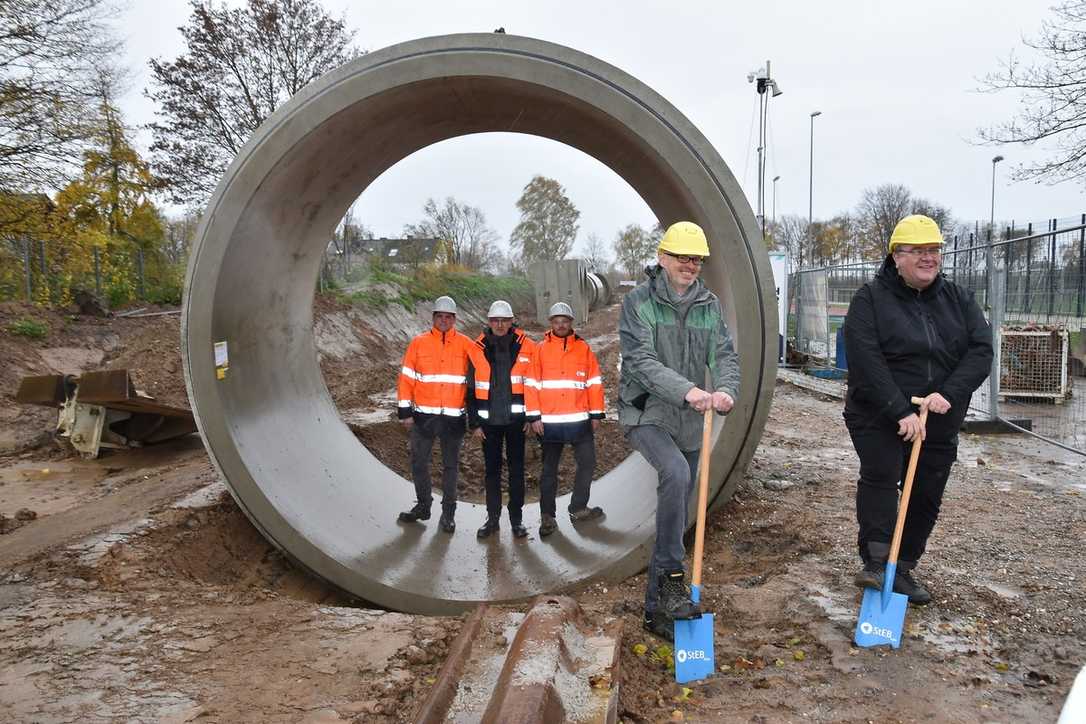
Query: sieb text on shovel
(694, 657)
(882, 613)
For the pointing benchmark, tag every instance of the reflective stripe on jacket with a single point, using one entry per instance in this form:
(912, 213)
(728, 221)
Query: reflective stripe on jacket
(479, 394)
(433, 377)
(563, 387)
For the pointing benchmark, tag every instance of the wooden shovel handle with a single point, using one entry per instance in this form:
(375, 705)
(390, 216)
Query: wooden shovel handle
(906, 490)
(703, 497)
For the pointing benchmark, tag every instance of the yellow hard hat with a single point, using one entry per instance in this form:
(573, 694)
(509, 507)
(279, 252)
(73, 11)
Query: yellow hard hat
(685, 238)
(916, 229)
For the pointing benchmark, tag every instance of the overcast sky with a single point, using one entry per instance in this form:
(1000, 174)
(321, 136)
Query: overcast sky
(896, 84)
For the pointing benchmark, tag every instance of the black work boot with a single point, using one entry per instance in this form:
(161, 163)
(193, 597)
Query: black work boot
(659, 625)
(675, 601)
(871, 576)
(490, 526)
(906, 584)
(874, 564)
(421, 511)
(447, 523)
(519, 531)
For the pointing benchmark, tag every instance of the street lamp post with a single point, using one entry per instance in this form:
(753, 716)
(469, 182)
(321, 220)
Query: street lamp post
(995, 312)
(810, 193)
(991, 221)
(775, 180)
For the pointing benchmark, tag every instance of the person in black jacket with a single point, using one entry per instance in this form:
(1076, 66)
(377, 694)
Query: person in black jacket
(496, 412)
(910, 332)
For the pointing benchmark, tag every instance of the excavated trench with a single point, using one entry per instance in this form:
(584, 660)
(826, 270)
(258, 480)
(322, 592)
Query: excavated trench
(264, 411)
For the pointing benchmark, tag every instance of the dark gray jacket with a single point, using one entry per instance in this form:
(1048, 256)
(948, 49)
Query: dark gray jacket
(667, 346)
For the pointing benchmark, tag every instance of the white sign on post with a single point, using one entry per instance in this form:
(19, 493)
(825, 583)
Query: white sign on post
(778, 260)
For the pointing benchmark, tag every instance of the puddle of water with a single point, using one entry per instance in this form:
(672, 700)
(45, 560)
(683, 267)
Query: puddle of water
(92, 549)
(387, 397)
(205, 497)
(834, 610)
(1008, 592)
(956, 636)
(366, 417)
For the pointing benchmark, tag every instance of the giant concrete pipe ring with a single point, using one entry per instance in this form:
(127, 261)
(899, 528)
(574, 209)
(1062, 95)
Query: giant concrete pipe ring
(264, 412)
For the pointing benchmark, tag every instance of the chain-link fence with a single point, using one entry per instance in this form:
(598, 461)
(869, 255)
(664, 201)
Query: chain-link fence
(1035, 298)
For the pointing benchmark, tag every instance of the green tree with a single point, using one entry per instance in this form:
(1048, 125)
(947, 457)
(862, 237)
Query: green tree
(109, 208)
(634, 247)
(240, 65)
(548, 222)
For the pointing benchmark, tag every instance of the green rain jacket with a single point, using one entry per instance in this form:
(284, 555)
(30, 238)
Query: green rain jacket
(667, 344)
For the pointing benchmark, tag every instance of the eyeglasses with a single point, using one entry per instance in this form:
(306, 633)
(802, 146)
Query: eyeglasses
(695, 260)
(933, 253)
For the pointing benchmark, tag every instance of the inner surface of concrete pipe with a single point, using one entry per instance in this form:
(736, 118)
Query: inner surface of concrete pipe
(270, 425)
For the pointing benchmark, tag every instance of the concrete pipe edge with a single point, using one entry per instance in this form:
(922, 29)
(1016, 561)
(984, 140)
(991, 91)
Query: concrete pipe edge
(270, 425)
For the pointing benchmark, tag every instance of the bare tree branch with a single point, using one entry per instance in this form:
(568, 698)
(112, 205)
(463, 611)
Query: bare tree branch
(240, 65)
(1053, 105)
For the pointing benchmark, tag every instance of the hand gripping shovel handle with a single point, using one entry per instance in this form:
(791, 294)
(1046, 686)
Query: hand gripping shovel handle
(903, 504)
(703, 500)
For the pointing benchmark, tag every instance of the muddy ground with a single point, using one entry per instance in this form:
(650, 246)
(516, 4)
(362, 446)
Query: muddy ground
(138, 591)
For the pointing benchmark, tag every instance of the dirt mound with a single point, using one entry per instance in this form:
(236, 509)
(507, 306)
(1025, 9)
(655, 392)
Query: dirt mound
(214, 547)
(151, 351)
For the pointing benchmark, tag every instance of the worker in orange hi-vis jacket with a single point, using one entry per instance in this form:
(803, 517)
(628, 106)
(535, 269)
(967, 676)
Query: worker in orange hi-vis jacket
(431, 404)
(563, 394)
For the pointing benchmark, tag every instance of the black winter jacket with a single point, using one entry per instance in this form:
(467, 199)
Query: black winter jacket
(901, 343)
(501, 395)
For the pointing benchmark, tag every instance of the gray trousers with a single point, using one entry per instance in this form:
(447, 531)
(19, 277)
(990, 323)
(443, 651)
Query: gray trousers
(584, 453)
(422, 443)
(677, 471)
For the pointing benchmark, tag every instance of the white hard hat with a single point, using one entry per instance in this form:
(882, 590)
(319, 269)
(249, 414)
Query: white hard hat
(500, 309)
(444, 304)
(560, 309)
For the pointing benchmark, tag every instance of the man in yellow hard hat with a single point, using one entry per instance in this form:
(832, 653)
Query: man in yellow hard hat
(671, 331)
(910, 332)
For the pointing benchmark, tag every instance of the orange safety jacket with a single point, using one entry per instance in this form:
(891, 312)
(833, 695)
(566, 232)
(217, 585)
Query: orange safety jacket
(563, 387)
(433, 378)
(479, 399)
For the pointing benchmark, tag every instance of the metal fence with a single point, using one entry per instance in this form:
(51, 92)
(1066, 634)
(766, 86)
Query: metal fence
(51, 271)
(1032, 286)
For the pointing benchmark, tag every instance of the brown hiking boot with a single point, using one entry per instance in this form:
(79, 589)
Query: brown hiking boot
(547, 526)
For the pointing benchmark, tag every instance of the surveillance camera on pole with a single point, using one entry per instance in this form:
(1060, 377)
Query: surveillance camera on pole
(764, 82)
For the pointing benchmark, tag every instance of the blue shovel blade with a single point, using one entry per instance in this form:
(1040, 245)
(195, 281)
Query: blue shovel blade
(882, 616)
(694, 658)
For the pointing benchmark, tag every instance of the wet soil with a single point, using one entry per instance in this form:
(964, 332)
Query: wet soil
(140, 591)
(1001, 641)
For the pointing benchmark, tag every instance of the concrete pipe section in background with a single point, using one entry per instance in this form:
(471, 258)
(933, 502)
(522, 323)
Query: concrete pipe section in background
(262, 406)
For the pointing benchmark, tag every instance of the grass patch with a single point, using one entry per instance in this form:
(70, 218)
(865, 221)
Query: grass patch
(370, 298)
(30, 328)
(428, 284)
(464, 285)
